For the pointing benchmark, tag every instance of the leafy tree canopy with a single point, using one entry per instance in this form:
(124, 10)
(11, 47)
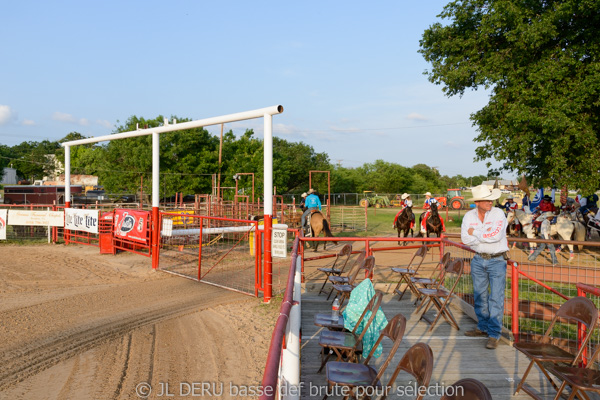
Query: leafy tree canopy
(540, 61)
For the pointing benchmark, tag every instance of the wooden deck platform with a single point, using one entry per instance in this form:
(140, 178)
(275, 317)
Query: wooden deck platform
(456, 356)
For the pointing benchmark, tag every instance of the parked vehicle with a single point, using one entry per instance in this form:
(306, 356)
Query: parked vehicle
(36, 194)
(373, 200)
(453, 199)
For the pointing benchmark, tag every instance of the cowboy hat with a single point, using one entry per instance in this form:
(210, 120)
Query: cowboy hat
(311, 191)
(546, 215)
(304, 194)
(510, 197)
(404, 196)
(482, 193)
(428, 194)
(547, 197)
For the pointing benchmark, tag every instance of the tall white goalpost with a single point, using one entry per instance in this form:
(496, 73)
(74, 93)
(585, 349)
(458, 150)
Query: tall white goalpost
(265, 113)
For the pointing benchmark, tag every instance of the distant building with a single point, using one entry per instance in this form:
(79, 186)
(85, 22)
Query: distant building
(503, 184)
(9, 177)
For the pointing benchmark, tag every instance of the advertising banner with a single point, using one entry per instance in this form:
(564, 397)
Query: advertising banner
(36, 218)
(3, 224)
(81, 220)
(131, 225)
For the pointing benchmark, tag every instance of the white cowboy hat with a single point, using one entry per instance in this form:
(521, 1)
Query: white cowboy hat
(304, 194)
(482, 192)
(509, 197)
(311, 191)
(404, 196)
(547, 214)
(428, 194)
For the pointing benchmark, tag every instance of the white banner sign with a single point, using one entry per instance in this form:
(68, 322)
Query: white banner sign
(35, 218)
(3, 224)
(279, 241)
(81, 220)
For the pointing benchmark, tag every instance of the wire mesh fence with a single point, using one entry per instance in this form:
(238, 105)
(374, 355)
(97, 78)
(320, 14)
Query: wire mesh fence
(541, 287)
(219, 251)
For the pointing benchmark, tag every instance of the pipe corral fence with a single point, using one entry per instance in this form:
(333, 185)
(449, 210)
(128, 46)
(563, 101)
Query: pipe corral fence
(534, 292)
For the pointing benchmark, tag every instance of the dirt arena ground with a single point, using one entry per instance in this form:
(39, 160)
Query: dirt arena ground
(75, 324)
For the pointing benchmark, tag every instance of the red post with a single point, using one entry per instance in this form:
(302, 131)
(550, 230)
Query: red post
(155, 236)
(66, 231)
(268, 260)
(515, 300)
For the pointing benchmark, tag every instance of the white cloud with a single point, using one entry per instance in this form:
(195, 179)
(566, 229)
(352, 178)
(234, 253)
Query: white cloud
(28, 122)
(6, 115)
(64, 117)
(104, 123)
(416, 117)
(69, 118)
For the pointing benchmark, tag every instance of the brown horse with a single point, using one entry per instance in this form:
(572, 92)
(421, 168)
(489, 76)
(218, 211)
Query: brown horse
(404, 222)
(433, 224)
(318, 224)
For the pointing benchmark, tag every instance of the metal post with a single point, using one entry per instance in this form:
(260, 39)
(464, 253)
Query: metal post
(515, 301)
(268, 200)
(155, 236)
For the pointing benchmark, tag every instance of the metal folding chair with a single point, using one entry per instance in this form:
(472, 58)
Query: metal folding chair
(467, 389)
(544, 353)
(436, 277)
(343, 279)
(580, 380)
(364, 375)
(347, 346)
(441, 297)
(409, 271)
(341, 258)
(344, 289)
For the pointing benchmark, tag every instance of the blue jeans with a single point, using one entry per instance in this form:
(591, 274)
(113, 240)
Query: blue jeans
(304, 214)
(541, 248)
(489, 307)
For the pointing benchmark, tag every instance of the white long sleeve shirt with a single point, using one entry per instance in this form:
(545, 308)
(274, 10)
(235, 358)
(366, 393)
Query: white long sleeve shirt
(488, 236)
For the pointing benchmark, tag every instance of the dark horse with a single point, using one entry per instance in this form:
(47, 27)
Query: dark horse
(318, 224)
(404, 222)
(434, 222)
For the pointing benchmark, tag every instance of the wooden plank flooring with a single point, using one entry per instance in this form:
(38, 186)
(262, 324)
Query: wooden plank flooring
(456, 356)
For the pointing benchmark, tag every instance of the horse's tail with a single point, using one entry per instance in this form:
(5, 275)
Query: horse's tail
(326, 229)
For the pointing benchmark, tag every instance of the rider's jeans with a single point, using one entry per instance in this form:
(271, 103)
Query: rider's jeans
(304, 214)
(489, 306)
(541, 248)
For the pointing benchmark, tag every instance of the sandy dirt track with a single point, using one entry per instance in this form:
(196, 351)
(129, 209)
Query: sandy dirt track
(75, 324)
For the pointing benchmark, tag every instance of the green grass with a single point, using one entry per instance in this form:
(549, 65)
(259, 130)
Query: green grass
(380, 221)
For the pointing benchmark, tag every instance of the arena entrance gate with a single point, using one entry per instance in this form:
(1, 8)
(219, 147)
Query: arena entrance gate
(218, 251)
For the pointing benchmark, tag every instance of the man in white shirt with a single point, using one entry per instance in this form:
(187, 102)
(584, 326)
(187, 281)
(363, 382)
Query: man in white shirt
(484, 230)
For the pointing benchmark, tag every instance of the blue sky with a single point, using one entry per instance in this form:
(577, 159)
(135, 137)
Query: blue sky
(347, 73)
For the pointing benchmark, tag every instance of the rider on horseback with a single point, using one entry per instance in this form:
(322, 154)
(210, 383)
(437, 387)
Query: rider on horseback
(546, 205)
(429, 202)
(405, 202)
(311, 203)
(589, 203)
(511, 205)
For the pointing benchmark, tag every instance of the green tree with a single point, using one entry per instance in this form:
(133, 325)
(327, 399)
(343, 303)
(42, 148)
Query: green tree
(30, 158)
(540, 61)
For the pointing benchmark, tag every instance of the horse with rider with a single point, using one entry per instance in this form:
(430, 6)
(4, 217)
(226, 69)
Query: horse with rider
(313, 222)
(404, 221)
